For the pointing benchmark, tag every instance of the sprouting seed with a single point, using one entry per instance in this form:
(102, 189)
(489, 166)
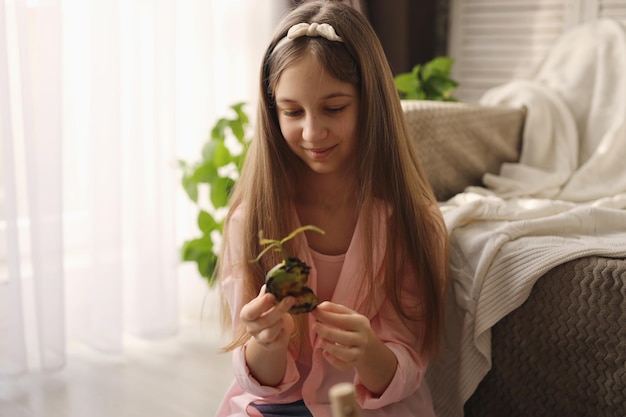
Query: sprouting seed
(289, 277)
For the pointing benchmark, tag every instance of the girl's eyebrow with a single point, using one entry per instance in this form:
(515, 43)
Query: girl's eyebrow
(328, 96)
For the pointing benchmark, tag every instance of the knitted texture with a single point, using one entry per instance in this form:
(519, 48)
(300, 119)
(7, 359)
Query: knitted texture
(457, 142)
(563, 352)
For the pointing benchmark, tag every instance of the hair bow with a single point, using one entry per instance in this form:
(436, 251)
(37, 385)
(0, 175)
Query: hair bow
(314, 29)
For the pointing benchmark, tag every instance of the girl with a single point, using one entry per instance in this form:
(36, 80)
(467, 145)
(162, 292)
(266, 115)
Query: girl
(332, 149)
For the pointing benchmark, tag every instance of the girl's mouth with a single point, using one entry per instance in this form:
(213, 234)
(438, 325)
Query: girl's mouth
(320, 153)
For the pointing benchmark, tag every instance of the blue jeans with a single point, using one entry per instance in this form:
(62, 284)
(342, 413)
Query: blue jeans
(295, 409)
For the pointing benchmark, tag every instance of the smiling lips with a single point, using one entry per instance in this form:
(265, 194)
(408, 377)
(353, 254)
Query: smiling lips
(320, 153)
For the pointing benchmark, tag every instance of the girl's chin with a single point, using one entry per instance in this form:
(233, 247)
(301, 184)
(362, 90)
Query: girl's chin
(325, 169)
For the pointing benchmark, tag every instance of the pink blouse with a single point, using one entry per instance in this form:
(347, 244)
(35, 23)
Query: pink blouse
(310, 376)
(329, 267)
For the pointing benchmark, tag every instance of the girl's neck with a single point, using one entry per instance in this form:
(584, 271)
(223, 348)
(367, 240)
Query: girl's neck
(330, 203)
(327, 190)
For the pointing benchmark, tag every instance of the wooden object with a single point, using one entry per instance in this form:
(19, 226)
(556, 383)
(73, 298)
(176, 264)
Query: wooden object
(343, 400)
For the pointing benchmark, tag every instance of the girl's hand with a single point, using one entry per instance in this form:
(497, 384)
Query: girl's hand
(348, 341)
(344, 335)
(268, 323)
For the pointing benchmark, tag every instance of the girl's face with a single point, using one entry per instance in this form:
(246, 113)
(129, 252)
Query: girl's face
(318, 116)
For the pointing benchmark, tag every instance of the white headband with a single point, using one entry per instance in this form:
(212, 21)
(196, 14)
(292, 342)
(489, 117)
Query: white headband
(314, 29)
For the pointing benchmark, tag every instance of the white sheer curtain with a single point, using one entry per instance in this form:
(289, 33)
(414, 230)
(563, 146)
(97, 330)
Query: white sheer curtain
(98, 100)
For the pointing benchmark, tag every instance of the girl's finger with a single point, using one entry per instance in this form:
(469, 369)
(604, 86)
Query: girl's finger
(270, 314)
(334, 314)
(255, 308)
(341, 357)
(329, 307)
(280, 332)
(335, 324)
(269, 334)
(341, 336)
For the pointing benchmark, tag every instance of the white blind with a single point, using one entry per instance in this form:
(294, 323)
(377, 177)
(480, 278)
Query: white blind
(493, 41)
(615, 9)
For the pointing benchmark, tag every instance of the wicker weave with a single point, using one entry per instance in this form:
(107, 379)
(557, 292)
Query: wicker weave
(563, 352)
(457, 142)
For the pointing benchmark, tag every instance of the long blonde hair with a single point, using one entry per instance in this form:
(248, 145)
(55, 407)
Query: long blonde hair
(388, 169)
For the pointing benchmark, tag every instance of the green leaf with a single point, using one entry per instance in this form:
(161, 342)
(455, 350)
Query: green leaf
(205, 172)
(278, 244)
(220, 191)
(206, 267)
(241, 114)
(437, 66)
(222, 155)
(201, 251)
(237, 128)
(416, 71)
(206, 222)
(191, 188)
(218, 131)
(208, 150)
(241, 158)
(406, 83)
(440, 87)
(195, 249)
(216, 153)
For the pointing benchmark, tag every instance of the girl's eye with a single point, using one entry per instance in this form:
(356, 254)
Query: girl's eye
(335, 109)
(292, 113)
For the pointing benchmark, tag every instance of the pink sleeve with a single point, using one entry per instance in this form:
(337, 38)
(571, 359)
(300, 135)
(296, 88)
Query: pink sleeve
(251, 385)
(231, 280)
(411, 368)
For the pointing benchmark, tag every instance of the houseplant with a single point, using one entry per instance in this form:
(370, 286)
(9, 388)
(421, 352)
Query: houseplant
(219, 167)
(429, 81)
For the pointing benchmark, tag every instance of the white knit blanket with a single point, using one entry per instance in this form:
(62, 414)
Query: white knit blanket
(564, 199)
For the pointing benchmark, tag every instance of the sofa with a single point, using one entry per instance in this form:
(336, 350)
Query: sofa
(562, 350)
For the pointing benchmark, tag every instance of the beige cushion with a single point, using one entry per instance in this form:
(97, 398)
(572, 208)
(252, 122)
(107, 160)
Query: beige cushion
(458, 142)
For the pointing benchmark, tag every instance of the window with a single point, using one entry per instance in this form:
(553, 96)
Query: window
(493, 41)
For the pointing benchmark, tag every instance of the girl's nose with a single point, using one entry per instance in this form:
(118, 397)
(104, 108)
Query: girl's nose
(313, 129)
